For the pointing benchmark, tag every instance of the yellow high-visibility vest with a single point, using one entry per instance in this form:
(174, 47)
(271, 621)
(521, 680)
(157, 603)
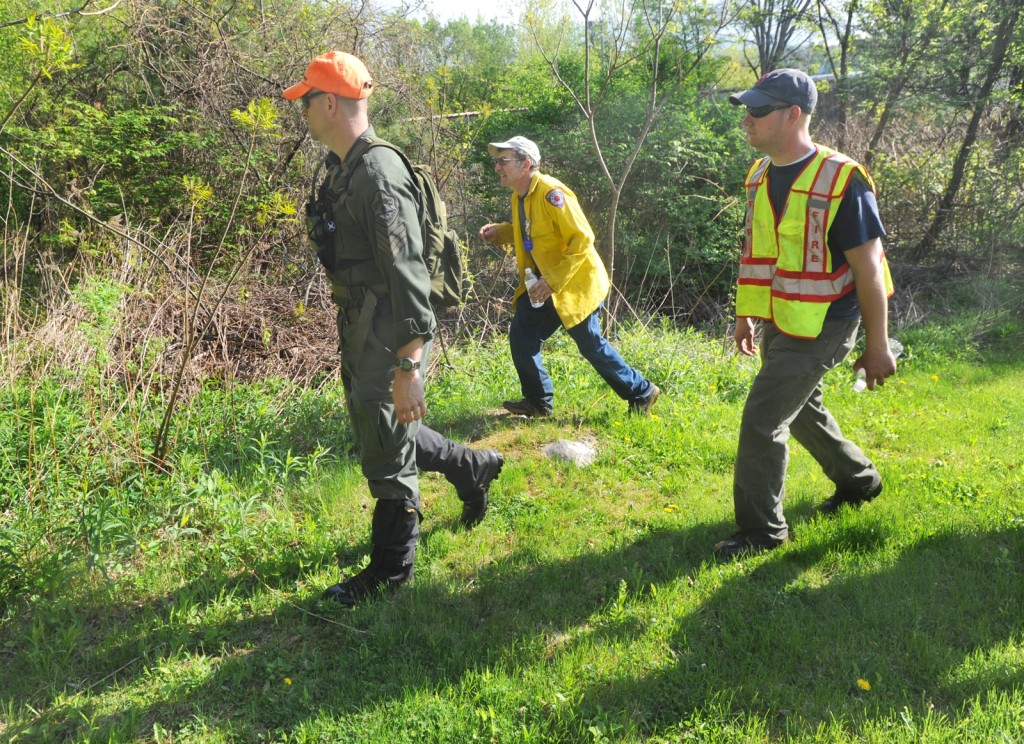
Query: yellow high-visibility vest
(786, 272)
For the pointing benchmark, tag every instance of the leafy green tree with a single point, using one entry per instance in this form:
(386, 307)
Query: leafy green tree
(993, 37)
(646, 48)
(682, 216)
(837, 22)
(903, 37)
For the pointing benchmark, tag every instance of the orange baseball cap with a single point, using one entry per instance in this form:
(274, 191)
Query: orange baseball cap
(339, 73)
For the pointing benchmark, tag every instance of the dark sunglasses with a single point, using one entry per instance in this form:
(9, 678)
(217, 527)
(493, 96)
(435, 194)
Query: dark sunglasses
(310, 96)
(759, 112)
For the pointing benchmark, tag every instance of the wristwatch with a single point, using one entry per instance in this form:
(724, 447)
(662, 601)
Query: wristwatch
(406, 364)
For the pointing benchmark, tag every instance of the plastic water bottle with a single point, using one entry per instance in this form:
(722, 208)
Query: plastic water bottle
(861, 384)
(530, 281)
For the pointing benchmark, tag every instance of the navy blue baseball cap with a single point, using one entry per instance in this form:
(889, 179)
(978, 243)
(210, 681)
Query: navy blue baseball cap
(780, 86)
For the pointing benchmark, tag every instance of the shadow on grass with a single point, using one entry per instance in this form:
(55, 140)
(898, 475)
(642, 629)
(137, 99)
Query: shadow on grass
(421, 637)
(774, 643)
(770, 641)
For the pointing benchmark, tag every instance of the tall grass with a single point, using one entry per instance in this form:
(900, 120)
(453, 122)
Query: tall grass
(181, 604)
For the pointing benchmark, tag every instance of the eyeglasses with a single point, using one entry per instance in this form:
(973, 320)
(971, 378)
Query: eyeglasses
(310, 96)
(506, 159)
(759, 112)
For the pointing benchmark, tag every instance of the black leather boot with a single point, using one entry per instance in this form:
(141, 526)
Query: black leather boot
(394, 534)
(471, 471)
(475, 498)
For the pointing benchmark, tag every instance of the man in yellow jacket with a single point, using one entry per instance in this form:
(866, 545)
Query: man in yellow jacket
(553, 240)
(812, 267)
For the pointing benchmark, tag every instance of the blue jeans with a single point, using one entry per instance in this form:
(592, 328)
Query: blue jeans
(532, 326)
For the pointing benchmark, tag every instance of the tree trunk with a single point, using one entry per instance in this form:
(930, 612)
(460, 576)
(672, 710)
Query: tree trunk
(945, 208)
(840, 70)
(883, 121)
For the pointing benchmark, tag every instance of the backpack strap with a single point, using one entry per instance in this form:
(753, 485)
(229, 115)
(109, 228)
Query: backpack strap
(375, 141)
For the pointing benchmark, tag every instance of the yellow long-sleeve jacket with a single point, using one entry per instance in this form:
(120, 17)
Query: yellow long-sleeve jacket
(563, 249)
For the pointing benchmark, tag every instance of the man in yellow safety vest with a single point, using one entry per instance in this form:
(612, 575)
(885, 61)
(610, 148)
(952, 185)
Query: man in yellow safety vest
(812, 267)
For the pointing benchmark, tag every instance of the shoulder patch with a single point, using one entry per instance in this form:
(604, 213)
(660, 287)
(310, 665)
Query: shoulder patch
(556, 197)
(385, 207)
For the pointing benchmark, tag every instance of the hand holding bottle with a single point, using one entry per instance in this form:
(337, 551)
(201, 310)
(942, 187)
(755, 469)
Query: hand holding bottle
(861, 383)
(531, 281)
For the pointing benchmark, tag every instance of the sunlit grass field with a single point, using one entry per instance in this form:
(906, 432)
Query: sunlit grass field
(181, 604)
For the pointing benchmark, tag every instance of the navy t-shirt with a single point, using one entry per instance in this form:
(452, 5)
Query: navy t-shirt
(857, 221)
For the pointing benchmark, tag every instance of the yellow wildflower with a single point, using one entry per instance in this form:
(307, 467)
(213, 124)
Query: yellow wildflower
(863, 684)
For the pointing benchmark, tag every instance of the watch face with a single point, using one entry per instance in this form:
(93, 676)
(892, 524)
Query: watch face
(406, 365)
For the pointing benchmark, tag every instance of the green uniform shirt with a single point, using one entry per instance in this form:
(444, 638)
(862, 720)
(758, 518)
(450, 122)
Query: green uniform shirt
(378, 238)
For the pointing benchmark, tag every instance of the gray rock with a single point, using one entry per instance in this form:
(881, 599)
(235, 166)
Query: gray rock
(580, 453)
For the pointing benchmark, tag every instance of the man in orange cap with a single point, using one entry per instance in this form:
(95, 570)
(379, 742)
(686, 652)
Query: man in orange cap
(366, 224)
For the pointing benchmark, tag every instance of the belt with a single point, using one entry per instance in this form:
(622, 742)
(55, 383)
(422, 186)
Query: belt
(348, 296)
(362, 315)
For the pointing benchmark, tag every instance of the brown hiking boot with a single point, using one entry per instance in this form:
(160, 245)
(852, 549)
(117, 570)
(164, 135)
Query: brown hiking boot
(643, 407)
(528, 408)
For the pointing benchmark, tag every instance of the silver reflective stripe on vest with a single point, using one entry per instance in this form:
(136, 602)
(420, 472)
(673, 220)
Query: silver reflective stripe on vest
(825, 180)
(756, 273)
(812, 288)
(748, 229)
(819, 201)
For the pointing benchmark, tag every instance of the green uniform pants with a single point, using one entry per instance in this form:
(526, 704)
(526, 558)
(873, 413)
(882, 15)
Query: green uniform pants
(387, 447)
(786, 399)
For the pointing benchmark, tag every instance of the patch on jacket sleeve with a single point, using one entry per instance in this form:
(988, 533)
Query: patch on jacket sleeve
(385, 207)
(556, 197)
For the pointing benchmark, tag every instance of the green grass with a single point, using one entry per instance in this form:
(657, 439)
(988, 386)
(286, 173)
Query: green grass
(182, 604)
